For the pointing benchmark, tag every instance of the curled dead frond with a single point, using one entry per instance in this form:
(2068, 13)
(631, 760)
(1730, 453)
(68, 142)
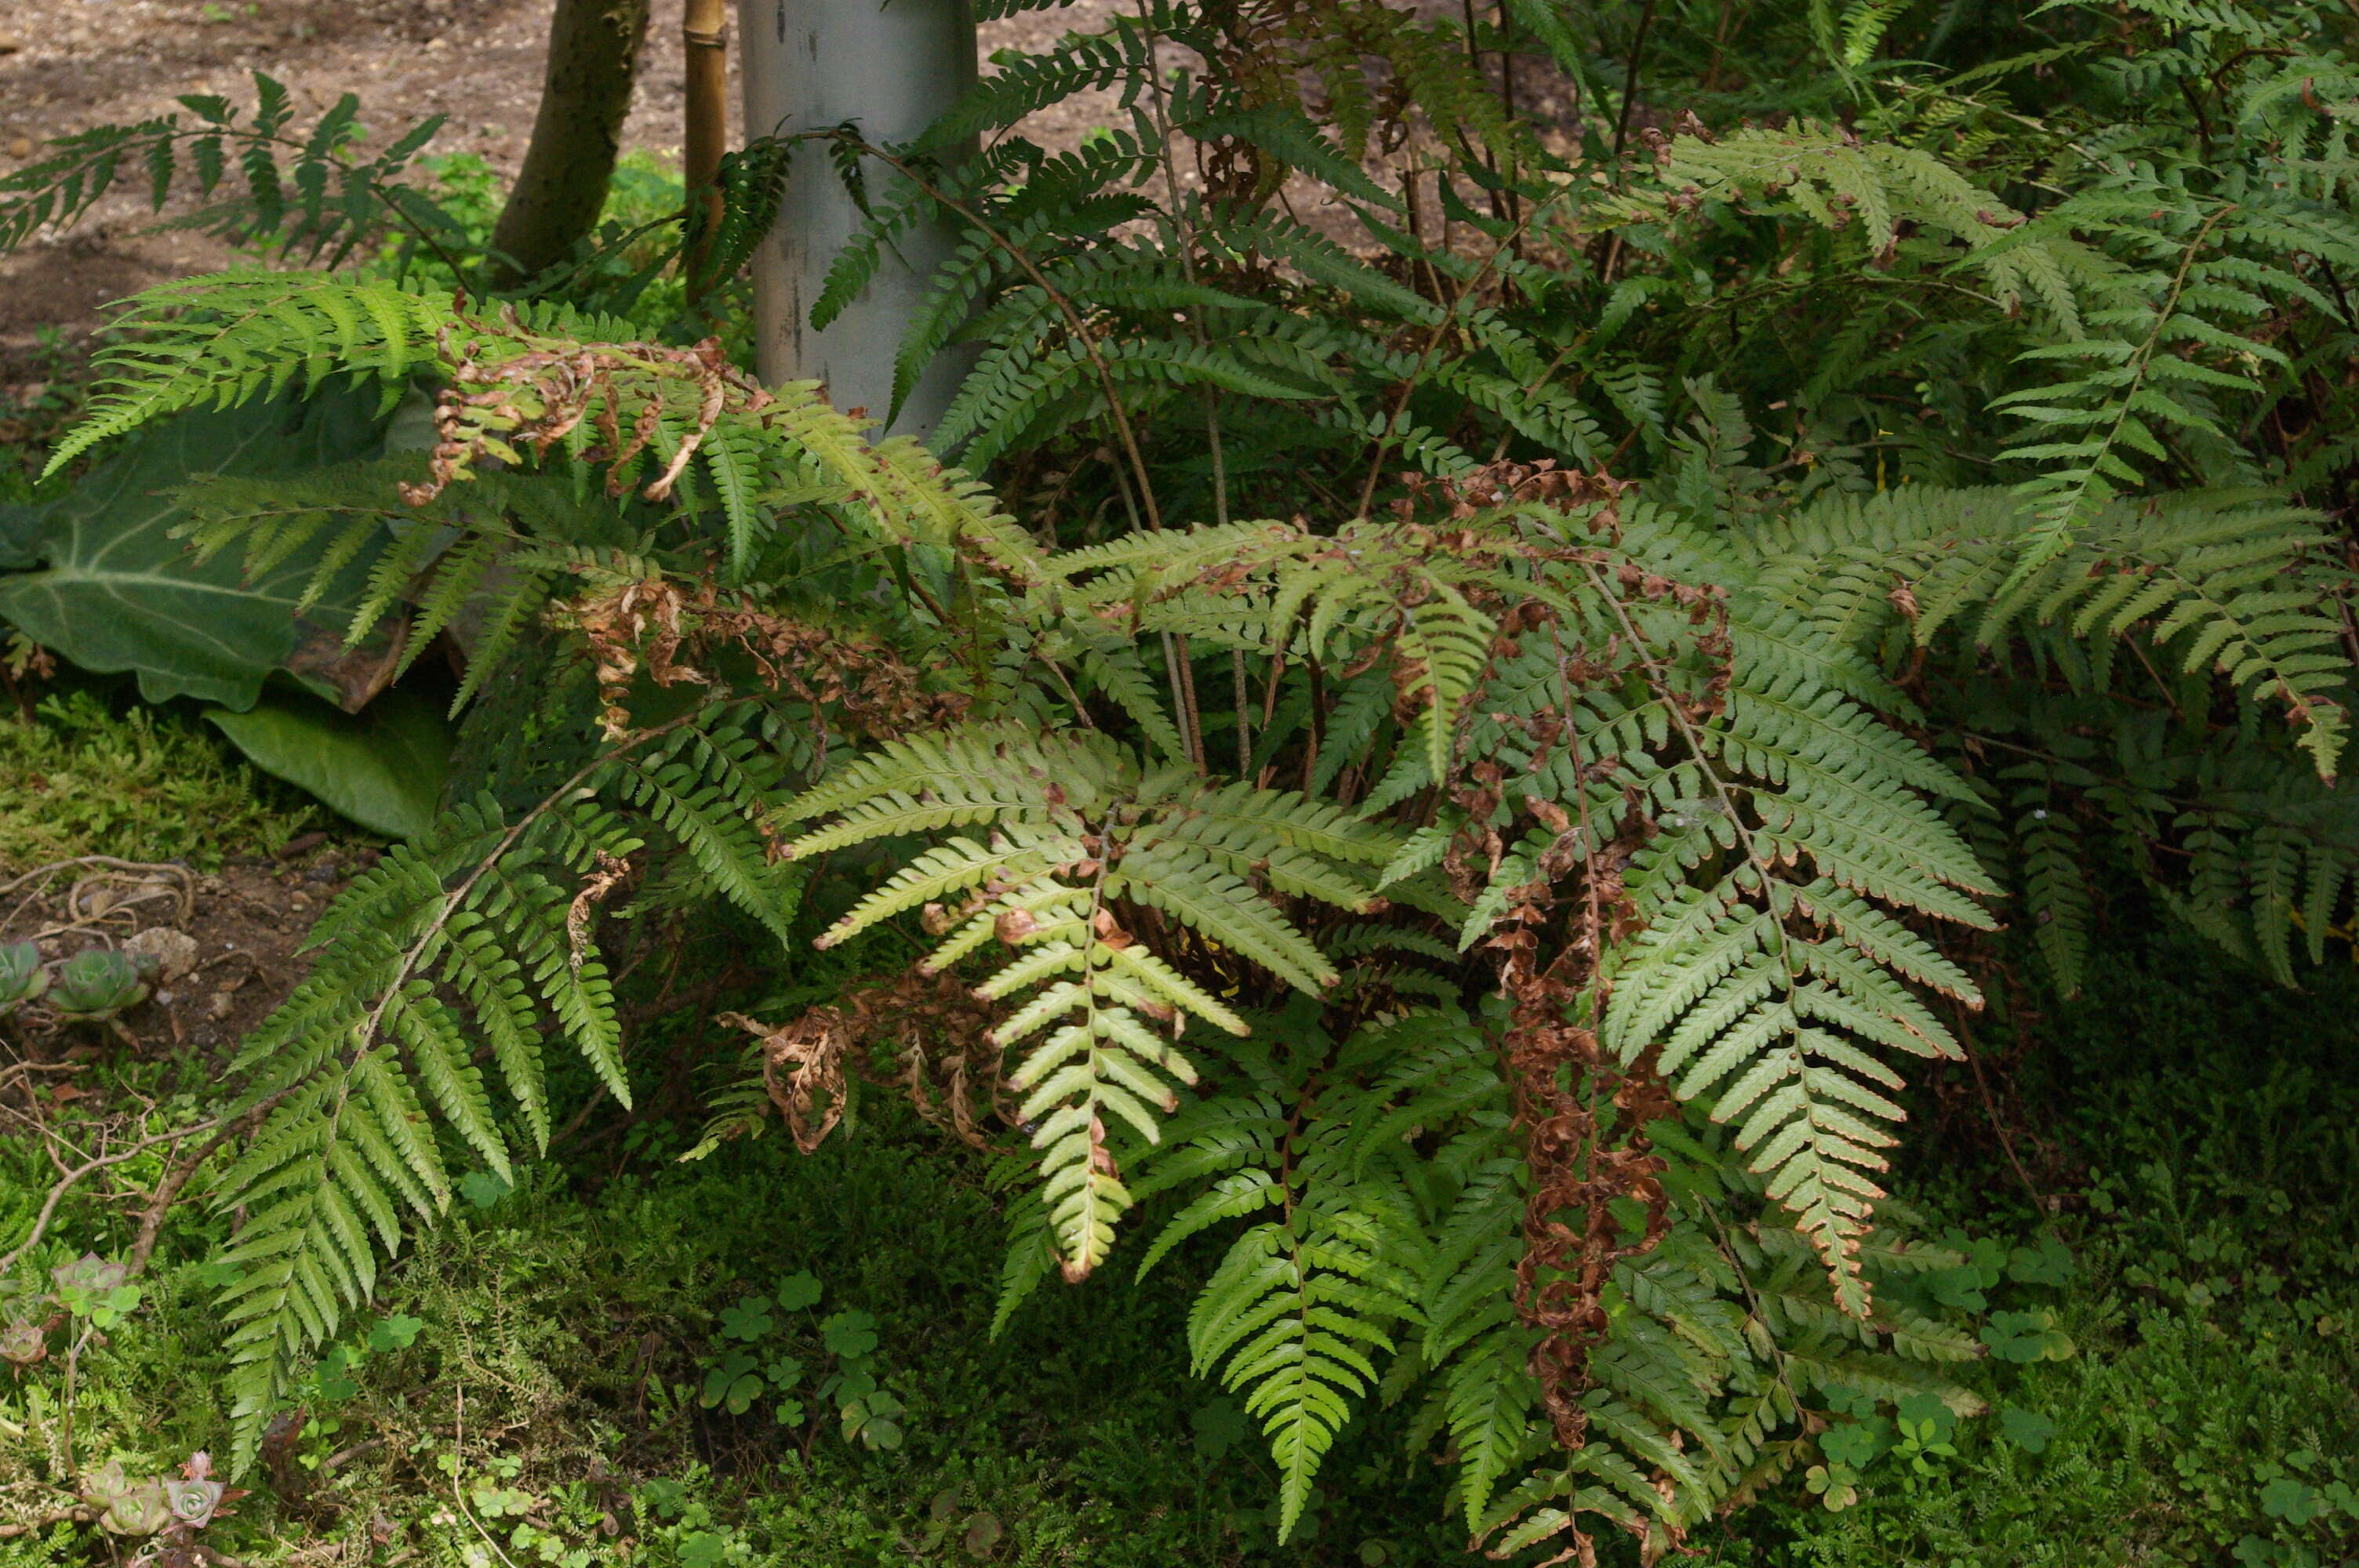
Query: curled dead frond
(673, 630)
(542, 397)
(926, 1034)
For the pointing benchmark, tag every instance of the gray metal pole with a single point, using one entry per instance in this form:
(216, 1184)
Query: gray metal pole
(893, 68)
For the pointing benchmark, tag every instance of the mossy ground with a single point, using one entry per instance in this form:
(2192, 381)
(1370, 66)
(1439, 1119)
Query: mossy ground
(86, 773)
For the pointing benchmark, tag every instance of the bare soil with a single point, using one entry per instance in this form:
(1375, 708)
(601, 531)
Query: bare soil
(228, 943)
(68, 65)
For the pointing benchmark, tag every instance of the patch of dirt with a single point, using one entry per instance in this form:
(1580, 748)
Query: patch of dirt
(69, 65)
(225, 945)
(79, 63)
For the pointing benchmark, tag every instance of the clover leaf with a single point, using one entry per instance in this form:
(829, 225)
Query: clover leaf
(848, 1334)
(749, 1319)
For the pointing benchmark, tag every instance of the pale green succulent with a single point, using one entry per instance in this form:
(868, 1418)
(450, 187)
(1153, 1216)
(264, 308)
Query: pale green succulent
(24, 1344)
(22, 979)
(129, 1506)
(97, 984)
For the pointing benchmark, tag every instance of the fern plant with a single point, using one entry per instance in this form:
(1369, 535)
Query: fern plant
(1122, 881)
(1559, 667)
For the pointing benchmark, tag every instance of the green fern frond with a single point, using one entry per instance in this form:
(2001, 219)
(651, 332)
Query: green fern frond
(1062, 860)
(1292, 1319)
(465, 934)
(306, 193)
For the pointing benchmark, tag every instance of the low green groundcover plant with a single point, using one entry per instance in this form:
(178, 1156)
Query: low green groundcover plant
(86, 775)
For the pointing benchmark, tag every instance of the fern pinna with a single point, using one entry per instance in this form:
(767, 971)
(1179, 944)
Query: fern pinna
(264, 183)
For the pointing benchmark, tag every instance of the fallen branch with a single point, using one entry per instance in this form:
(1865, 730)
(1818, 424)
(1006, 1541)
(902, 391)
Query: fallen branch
(63, 1516)
(151, 1219)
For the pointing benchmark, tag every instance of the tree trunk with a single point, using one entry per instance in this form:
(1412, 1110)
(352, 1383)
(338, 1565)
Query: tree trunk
(593, 58)
(894, 69)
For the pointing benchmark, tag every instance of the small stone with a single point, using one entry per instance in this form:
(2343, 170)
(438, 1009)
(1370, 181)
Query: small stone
(20, 148)
(219, 1004)
(174, 953)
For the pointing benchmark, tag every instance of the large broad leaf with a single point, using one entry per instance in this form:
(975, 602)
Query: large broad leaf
(383, 768)
(111, 590)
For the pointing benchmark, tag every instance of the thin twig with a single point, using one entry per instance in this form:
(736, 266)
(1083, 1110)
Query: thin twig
(63, 1516)
(1182, 231)
(1630, 86)
(458, 1474)
(108, 861)
(66, 1408)
(66, 1183)
(45, 872)
(2040, 1201)
(1178, 693)
(1269, 709)
(597, 1097)
(151, 1219)
(1188, 690)
(1244, 726)
(16, 1070)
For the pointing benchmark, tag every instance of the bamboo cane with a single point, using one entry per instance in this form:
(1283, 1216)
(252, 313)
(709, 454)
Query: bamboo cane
(706, 45)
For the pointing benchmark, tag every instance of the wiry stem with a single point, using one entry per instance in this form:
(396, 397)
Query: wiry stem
(1074, 322)
(73, 1177)
(1183, 231)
